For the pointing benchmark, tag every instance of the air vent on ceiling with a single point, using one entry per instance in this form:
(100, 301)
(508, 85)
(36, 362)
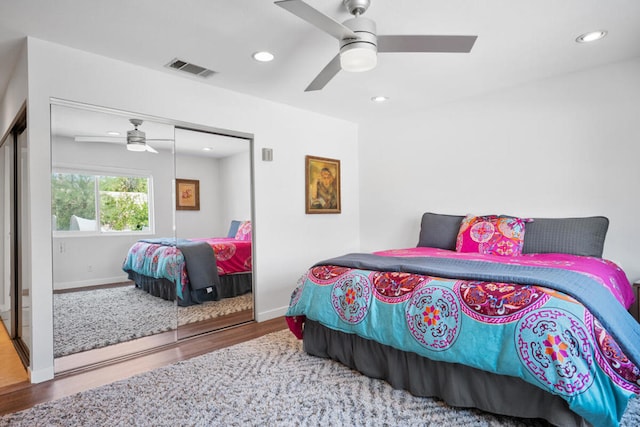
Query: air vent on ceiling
(196, 70)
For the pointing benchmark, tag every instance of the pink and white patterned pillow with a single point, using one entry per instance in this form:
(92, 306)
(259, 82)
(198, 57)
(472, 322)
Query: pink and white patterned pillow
(491, 235)
(244, 231)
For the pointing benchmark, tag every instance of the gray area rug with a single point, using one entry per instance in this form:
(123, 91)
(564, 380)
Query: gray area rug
(87, 320)
(268, 381)
(210, 309)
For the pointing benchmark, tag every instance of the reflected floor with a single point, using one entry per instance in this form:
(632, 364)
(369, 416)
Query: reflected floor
(92, 319)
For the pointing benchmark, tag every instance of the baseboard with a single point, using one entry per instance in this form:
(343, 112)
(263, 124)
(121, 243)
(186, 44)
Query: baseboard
(89, 283)
(41, 375)
(271, 314)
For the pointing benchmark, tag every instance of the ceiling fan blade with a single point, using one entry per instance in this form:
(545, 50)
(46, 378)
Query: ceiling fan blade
(150, 149)
(99, 139)
(454, 44)
(315, 17)
(327, 73)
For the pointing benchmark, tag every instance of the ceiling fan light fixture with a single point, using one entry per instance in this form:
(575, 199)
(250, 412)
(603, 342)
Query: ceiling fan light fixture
(360, 43)
(136, 146)
(358, 57)
(136, 139)
(360, 53)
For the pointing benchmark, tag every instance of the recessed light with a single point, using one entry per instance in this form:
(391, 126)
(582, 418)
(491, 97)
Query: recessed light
(263, 56)
(207, 149)
(113, 133)
(380, 99)
(591, 36)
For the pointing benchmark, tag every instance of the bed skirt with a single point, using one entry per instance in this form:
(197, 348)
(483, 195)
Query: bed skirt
(231, 285)
(457, 385)
(161, 288)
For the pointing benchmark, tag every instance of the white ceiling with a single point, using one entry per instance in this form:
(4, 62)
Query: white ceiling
(72, 122)
(518, 42)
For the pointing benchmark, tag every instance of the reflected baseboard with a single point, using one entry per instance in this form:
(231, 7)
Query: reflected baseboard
(221, 322)
(94, 358)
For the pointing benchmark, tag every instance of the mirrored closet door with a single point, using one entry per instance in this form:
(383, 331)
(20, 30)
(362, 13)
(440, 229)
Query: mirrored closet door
(134, 200)
(213, 218)
(15, 294)
(105, 197)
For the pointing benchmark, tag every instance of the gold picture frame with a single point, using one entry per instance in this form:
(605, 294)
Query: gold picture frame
(322, 185)
(187, 195)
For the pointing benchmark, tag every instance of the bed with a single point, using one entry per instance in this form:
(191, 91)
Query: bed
(515, 316)
(193, 271)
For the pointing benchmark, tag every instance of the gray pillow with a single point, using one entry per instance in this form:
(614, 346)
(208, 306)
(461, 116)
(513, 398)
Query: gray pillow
(439, 230)
(233, 228)
(576, 236)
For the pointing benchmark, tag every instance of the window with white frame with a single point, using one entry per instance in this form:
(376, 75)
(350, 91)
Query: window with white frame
(83, 201)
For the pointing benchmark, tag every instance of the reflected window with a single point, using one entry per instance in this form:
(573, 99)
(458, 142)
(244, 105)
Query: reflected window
(100, 203)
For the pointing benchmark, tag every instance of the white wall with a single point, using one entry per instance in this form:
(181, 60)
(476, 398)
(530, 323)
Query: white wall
(286, 240)
(566, 146)
(235, 182)
(206, 222)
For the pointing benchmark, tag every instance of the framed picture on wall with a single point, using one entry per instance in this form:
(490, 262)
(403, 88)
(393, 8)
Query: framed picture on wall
(187, 195)
(322, 185)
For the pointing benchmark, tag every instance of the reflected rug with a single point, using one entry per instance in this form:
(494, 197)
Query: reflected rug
(87, 320)
(266, 381)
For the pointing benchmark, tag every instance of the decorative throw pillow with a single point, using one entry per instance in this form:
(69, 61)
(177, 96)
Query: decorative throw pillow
(244, 231)
(491, 235)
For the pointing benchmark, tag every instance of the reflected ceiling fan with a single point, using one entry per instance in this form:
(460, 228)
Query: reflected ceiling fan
(136, 139)
(359, 43)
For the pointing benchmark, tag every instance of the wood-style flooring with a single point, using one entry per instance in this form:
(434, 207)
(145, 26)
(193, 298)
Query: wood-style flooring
(25, 395)
(12, 371)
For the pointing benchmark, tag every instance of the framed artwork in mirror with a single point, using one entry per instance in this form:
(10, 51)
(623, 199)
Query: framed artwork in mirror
(322, 185)
(187, 194)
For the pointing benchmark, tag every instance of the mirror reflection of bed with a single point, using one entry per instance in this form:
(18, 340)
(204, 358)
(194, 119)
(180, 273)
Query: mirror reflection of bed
(213, 276)
(103, 310)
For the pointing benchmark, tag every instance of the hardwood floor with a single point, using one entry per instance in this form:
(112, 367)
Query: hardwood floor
(14, 398)
(12, 371)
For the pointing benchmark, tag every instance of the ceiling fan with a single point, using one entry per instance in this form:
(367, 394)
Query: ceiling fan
(359, 43)
(136, 139)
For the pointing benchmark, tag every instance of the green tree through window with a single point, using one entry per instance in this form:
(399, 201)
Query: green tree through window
(122, 202)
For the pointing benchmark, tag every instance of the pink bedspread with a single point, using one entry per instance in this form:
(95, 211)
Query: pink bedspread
(604, 271)
(232, 256)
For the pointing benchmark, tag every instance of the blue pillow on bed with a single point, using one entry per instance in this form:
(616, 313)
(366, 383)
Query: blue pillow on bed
(233, 229)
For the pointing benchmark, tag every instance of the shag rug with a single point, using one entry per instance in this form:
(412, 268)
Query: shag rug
(210, 309)
(87, 320)
(268, 381)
